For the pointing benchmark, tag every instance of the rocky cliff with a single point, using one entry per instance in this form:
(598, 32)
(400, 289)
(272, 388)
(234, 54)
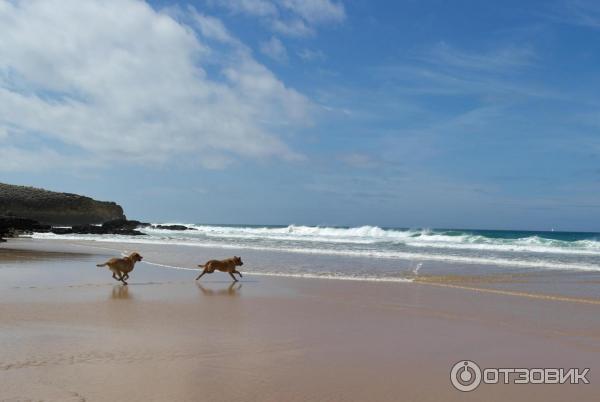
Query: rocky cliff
(57, 209)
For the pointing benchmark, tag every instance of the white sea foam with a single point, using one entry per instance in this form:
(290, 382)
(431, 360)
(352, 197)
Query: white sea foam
(361, 278)
(542, 263)
(373, 235)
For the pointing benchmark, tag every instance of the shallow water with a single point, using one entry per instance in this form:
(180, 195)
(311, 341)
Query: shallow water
(173, 261)
(503, 249)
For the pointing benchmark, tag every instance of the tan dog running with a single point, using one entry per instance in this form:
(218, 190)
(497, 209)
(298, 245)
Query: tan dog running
(227, 265)
(122, 266)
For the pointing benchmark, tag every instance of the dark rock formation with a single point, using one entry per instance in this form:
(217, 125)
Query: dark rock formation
(60, 209)
(12, 227)
(172, 227)
(117, 226)
(23, 208)
(124, 224)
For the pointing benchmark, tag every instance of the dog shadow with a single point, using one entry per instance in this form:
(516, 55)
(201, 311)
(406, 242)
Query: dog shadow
(120, 292)
(231, 290)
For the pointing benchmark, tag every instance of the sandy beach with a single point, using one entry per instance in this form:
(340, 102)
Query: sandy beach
(69, 333)
(299, 201)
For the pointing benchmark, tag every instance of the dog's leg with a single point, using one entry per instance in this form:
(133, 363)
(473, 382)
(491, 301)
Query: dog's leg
(200, 276)
(239, 273)
(117, 277)
(234, 278)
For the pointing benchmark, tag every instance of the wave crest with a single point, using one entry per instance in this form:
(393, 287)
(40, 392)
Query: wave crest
(374, 235)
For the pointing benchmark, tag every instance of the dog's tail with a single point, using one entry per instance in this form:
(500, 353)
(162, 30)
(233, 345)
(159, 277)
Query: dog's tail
(101, 265)
(202, 266)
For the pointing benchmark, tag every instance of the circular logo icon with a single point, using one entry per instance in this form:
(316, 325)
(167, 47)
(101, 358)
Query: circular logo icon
(465, 375)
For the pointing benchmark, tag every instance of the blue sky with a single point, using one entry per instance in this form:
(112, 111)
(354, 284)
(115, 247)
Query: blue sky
(463, 114)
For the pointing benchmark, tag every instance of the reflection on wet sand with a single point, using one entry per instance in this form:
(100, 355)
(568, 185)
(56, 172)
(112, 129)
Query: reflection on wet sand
(470, 279)
(8, 255)
(120, 292)
(231, 290)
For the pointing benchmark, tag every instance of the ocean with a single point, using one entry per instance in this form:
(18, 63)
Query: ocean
(375, 253)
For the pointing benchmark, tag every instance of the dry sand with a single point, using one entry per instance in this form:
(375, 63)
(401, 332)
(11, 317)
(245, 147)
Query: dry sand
(67, 333)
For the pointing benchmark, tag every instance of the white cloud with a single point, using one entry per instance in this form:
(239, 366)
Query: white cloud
(288, 17)
(316, 11)
(493, 74)
(15, 159)
(294, 27)
(274, 49)
(259, 8)
(578, 12)
(500, 59)
(121, 81)
(213, 28)
(311, 55)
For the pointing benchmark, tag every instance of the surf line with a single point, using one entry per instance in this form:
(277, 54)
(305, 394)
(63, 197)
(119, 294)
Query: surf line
(125, 253)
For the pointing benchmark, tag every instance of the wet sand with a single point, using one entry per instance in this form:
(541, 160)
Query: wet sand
(68, 332)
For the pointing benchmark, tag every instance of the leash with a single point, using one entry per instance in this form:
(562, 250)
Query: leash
(125, 253)
(169, 266)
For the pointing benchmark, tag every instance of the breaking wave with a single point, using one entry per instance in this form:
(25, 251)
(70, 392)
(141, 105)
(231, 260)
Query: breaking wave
(541, 250)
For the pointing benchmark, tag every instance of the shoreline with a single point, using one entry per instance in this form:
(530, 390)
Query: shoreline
(380, 255)
(503, 284)
(67, 329)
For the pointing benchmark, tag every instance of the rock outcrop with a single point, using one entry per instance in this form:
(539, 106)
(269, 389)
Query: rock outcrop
(12, 227)
(172, 227)
(24, 210)
(117, 226)
(56, 209)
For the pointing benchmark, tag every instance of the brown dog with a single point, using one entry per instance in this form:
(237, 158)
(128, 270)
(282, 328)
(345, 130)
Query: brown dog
(227, 265)
(122, 266)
